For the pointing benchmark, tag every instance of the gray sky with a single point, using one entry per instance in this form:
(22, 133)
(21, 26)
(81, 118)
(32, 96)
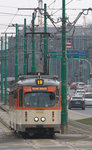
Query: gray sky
(10, 15)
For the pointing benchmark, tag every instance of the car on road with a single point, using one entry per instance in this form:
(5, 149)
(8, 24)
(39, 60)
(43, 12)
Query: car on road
(88, 98)
(88, 88)
(80, 92)
(73, 85)
(80, 85)
(77, 101)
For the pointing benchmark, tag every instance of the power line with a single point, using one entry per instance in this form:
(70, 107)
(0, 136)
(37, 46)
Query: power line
(3, 25)
(69, 2)
(66, 9)
(52, 3)
(14, 14)
(60, 9)
(8, 7)
(11, 21)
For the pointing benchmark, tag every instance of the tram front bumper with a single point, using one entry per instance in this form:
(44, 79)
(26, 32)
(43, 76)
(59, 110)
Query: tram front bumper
(25, 127)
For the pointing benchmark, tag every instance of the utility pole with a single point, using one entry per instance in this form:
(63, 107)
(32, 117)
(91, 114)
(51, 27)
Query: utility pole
(1, 69)
(5, 102)
(45, 40)
(63, 73)
(33, 68)
(16, 54)
(25, 49)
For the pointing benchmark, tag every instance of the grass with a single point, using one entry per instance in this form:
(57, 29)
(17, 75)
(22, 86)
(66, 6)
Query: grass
(87, 121)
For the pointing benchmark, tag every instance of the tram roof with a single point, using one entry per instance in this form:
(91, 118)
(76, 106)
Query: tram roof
(30, 80)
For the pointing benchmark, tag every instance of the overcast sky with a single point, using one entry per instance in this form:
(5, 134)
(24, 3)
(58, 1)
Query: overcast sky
(9, 13)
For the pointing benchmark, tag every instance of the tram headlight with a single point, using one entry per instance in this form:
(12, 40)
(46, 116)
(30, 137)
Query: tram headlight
(36, 119)
(43, 119)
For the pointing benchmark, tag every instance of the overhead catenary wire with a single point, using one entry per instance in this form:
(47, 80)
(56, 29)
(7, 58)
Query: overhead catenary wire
(66, 9)
(48, 16)
(51, 3)
(3, 24)
(69, 2)
(72, 24)
(11, 21)
(2, 6)
(12, 14)
(16, 14)
(58, 9)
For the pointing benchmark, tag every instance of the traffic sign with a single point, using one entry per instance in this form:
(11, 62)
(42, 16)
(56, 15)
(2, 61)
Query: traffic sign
(68, 45)
(77, 52)
(70, 54)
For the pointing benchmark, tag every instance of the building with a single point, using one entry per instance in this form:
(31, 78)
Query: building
(79, 38)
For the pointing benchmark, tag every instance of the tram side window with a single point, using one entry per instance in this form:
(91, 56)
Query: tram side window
(11, 99)
(57, 97)
(20, 97)
(15, 94)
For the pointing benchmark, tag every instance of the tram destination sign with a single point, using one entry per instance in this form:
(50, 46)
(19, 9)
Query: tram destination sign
(39, 89)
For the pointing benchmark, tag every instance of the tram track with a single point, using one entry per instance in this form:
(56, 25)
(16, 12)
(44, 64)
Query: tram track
(5, 125)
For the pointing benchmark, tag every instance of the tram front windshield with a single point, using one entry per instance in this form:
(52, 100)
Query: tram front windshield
(39, 99)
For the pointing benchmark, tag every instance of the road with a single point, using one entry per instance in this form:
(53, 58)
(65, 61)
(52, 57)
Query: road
(80, 114)
(87, 111)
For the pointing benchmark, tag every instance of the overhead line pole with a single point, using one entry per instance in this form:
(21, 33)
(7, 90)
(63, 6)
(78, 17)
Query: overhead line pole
(33, 68)
(1, 69)
(16, 54)
(25, 49)
(45, 40)
(5, 102)
(63, 73)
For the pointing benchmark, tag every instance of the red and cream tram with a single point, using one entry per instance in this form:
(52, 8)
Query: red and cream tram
(35, 105)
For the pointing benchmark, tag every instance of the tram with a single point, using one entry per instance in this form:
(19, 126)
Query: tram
(35, 105)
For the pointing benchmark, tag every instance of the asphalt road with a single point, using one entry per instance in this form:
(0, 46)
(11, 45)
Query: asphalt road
(87, 111)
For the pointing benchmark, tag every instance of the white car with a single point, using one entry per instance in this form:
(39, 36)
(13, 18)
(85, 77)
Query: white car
(80, 85)
(88, 98)
(88, 88)
(80, 92)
